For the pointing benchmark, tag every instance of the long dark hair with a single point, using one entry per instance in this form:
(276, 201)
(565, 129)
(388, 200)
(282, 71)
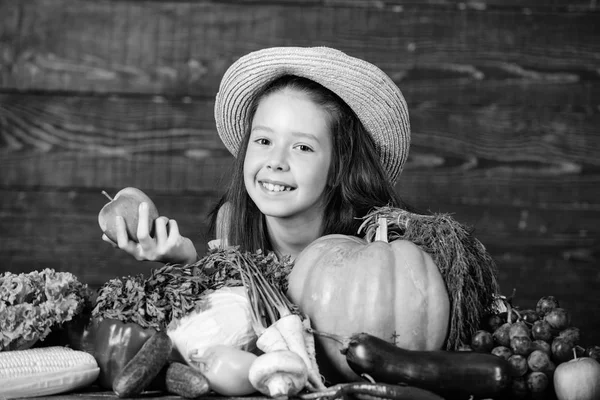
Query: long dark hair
(356, 181)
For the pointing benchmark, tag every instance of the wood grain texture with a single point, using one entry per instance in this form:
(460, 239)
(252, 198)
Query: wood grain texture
(174, 47)
(504, 98)
(66, 141)
(481, 5)
(95, 392)
(514, 154)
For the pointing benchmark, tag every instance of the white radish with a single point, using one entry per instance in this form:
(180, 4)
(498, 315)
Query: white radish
(276, 325)
(293, 333)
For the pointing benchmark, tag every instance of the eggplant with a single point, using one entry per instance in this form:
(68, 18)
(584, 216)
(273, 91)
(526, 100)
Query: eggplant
(451, 374)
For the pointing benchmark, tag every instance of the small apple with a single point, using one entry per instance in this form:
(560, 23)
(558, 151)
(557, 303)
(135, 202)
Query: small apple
(577, 379)
(126, 204)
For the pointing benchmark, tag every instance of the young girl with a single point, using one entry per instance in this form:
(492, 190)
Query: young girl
(319, 137)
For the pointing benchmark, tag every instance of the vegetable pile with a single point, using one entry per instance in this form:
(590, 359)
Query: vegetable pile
(194, 329)
(33, 304)
(203, 308)
(211, 312)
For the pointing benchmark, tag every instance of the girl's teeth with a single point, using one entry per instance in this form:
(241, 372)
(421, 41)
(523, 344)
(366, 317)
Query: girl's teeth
(275, 188)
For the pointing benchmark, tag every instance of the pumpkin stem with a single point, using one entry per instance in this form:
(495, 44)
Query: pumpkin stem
(381, 232)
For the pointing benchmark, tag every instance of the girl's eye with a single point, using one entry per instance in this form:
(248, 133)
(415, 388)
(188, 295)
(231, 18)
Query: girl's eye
(303, 147)
(263, 141)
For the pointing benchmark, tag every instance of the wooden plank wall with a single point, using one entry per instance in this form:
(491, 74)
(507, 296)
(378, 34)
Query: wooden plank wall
(504, 99)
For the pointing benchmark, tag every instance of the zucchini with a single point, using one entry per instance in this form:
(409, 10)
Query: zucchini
(451, 374)
(147, 363)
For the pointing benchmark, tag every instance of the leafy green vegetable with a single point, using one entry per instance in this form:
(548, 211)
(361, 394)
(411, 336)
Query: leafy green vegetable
(175, 290)
(33, 304)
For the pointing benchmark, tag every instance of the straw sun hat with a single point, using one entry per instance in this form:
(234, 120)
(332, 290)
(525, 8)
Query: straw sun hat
(372, 95)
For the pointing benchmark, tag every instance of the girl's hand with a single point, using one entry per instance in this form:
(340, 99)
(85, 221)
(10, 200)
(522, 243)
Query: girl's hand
(166, 246)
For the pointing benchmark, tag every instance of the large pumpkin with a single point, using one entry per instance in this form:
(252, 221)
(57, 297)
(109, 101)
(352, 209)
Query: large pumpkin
(391, 290)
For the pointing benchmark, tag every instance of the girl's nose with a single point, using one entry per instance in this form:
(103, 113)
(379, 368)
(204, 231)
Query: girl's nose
(278, 161)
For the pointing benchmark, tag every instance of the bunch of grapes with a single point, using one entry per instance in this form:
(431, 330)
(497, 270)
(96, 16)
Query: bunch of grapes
(534, 342)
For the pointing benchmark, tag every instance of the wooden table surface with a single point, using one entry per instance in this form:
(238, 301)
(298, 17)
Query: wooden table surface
(95, 392)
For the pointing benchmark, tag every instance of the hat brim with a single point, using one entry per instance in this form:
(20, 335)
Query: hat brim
(368, 91)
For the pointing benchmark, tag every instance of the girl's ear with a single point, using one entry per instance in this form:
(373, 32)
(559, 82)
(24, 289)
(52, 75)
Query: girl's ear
(222, 226)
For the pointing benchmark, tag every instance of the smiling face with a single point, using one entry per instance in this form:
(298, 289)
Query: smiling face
(288, 157)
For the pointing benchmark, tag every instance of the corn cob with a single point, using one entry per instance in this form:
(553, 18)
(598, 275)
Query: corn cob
(45, 371)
